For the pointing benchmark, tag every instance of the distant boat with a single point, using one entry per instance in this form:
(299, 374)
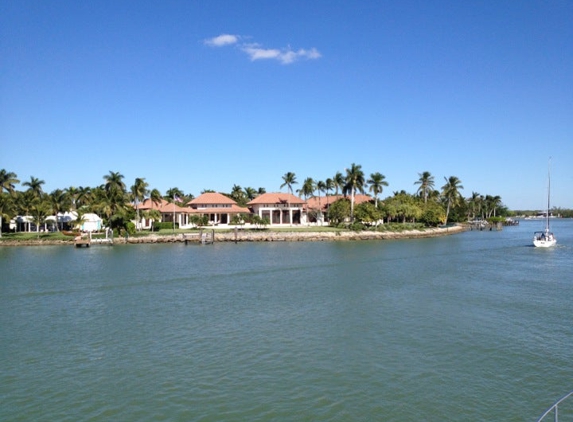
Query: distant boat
(545, 238)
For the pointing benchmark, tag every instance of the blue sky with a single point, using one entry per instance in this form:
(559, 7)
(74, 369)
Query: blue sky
(208, 94)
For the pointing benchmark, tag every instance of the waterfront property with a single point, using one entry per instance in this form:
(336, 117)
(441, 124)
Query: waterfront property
(218, 208)
(279, 208)
(319, 205)
(170, 212)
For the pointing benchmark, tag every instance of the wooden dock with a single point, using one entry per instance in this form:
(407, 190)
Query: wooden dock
(81, 242)
(205, 237)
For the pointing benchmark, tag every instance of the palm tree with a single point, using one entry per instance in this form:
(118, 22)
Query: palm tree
(39, 210)
(260, 191)
(84, 197)
(155, 197)
(451, 193)
(308, 187)
(73, 195)
(172, 194)
(237, 193)
(24, 204)
(250, 193)
(60, 201)
(426, 182)
(328, 186)
(114, 183)
(474, 205)
(320, 187)
(338, 181)
(7, 207)
(491, 204)
(112, 199)
(138, 191)
(289, 179)
(377, 182)
(153, 215)
(7, 181)
(35, 185)
(354, 182)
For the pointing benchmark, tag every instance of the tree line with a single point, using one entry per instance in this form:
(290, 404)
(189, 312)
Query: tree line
(118, 204)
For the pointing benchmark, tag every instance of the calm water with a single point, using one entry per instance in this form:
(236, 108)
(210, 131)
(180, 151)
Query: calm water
(471, 327)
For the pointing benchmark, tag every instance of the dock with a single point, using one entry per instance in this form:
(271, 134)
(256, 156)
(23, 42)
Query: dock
(86, 241)
(205, 237)
(81, 242)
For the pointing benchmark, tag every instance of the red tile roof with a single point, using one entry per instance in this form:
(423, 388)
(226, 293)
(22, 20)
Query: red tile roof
(162, 206)
(276, 198)
(212, 198)
(148, 204)
(233, 209)
(325, 201)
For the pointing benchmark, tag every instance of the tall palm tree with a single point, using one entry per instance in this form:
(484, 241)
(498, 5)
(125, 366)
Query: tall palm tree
(377, 182)
(308, 187)
(7, 207)
(451, 193)
(113, 202)
(474, 205)
(320, 187)
(328, 186)
(34, 185)
(84, 196)
(138, 191)
(354, 182)
(426, 182)
(114, 182)
(338, 181)
(155, 197)
(72, 192)
(289, 179)
(491, 204)
(260, 191)
(60, 201)
(8, 180)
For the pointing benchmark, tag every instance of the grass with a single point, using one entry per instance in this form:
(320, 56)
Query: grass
(389, 227)
(26, 236)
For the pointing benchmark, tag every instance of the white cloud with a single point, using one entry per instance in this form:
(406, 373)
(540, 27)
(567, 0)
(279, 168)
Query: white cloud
(222, 40)
(285, 56)
(256, 52)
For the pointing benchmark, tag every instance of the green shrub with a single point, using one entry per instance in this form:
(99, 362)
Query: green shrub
(164, 226)
(130, 227)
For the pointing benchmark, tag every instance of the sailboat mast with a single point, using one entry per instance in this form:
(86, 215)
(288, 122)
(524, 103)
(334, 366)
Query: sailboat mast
(548, 192)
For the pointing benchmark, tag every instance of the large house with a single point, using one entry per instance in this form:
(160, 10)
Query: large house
(217, 207)
(170, 212)
(319, 205)
(278, 208)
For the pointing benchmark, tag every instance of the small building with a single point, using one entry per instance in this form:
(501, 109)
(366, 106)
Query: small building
(91, 222)
(278, 208)
(219, 208)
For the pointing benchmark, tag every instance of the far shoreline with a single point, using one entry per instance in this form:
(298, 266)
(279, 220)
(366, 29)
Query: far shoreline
(261, 236)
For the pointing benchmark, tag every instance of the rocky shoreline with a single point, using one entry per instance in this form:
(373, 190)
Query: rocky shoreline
(263, 236)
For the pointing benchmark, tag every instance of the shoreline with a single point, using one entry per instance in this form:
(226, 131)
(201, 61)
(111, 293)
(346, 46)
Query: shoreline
(263, 236)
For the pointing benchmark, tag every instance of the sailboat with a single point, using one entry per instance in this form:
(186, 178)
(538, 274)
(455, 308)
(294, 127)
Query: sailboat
(545, 238)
